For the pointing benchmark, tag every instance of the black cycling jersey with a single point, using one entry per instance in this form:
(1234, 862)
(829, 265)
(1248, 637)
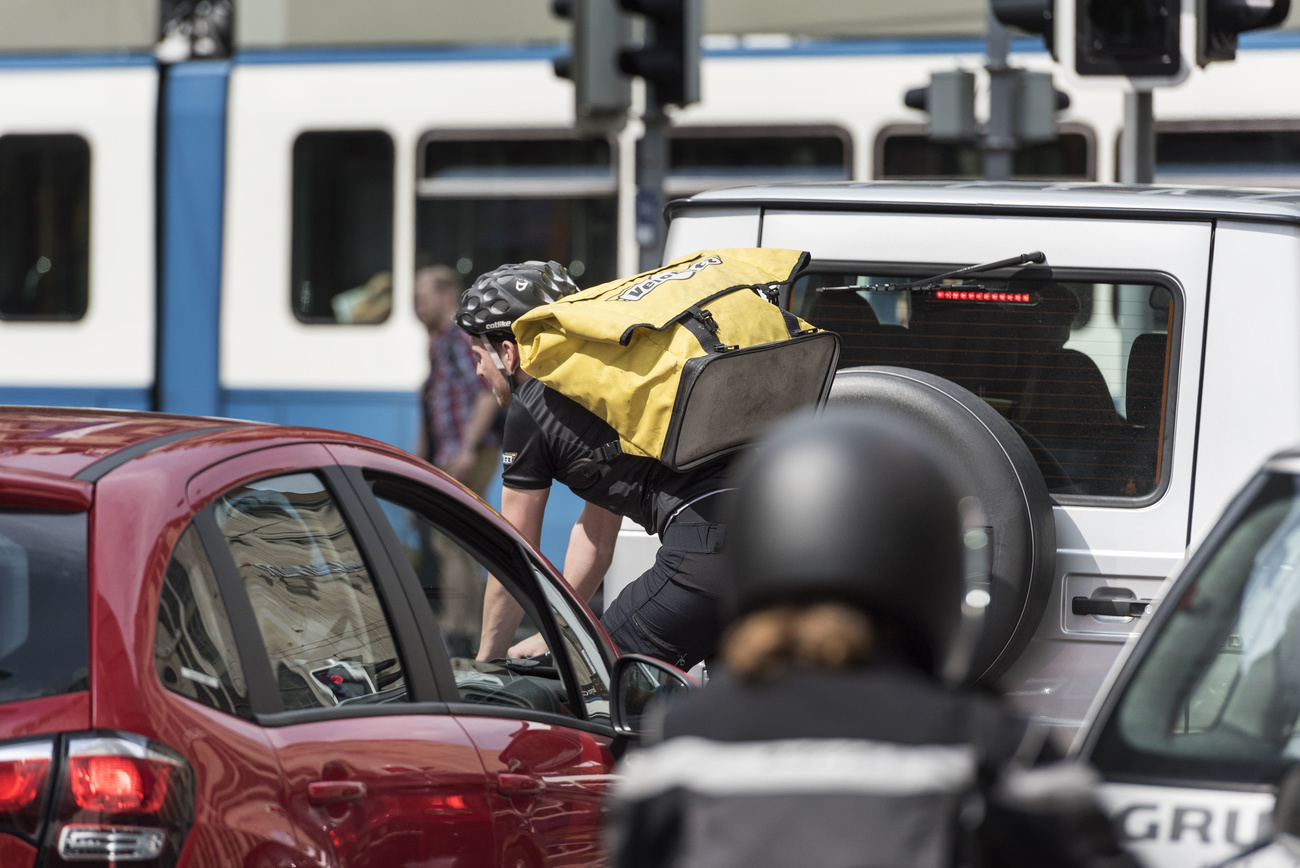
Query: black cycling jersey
(551, 437)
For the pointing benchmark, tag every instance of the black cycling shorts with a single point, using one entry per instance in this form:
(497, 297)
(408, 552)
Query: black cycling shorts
(671, 611)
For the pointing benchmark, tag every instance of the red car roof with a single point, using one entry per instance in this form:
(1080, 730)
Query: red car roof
(51, 457)
(62, 442)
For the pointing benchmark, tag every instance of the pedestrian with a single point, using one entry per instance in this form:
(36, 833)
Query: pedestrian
(458, 412)
(828, 735)
(671, 611)
(460, 436)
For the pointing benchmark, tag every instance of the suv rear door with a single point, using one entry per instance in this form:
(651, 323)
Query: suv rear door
(1106, 546)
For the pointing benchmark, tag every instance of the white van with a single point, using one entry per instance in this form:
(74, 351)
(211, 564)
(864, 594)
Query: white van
(1107, 398)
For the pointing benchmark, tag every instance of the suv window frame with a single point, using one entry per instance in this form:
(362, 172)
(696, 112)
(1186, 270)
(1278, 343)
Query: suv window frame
(1065, 275)
(509, 562)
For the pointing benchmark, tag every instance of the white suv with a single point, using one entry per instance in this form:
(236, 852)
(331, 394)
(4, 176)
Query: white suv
(1105, 402)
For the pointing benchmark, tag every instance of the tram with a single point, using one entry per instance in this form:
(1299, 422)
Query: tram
(238, 237)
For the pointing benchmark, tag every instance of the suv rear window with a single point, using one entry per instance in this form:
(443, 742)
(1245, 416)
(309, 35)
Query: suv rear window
(44, 619)
(1078, 367)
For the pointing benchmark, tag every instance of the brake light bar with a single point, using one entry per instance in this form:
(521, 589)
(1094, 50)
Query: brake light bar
(981, 294)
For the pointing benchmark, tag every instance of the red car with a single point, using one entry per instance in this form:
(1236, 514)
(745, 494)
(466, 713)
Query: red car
(229, 643)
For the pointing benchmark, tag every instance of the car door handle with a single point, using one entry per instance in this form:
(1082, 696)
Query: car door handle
(1117, 608)
(512, 784)
(329, 792)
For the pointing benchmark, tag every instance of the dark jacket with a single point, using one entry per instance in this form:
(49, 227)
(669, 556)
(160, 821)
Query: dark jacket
(849, 769)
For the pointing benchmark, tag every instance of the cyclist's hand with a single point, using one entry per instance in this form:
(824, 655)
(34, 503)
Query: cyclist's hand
(530, 647)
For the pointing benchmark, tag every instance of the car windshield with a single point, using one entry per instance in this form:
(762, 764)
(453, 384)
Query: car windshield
(44, 620)
(1216, 696)
(1078, 367)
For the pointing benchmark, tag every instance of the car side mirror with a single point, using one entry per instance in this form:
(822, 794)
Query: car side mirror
(642, 686)
(1286, 810)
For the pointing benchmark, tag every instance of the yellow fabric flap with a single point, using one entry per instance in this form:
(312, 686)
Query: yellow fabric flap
(576, 345)
(655, 299)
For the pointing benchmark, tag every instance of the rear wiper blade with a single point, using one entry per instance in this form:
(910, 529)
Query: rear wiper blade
(1035, 257)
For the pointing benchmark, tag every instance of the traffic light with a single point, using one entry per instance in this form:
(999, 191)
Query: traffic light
(1032, 16)
(1127, 37)
(1219, 21)
(669, 58)
(949, 99)
(602, 92)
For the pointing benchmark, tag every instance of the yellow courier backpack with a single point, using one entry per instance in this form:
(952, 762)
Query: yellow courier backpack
(688, 361)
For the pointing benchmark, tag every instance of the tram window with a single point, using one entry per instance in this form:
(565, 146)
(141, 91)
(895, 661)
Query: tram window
(488, 199)
(903, 156)
(45, 221)
(1242, 157)
(704, 157)
(342, 259)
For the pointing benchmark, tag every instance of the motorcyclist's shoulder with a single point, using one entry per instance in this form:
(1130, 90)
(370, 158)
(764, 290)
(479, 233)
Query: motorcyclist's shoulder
(884, 702)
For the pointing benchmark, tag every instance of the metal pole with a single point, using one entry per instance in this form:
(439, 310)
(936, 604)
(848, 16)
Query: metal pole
(1137, 145)
(1000, 142)
(651, 169)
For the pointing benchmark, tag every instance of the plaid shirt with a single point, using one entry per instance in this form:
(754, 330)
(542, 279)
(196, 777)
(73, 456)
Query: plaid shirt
(449, 395)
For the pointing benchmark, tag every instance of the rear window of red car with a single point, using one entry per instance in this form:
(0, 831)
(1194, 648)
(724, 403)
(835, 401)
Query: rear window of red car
(44, 623)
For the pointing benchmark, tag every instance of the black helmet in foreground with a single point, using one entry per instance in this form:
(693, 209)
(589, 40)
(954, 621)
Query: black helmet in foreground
(502, 295)
(855, 507)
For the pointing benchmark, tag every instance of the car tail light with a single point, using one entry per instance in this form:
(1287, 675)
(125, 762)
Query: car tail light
(24, 776)
(120, 800)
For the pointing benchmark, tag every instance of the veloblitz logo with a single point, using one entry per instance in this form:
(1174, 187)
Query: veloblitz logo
(640, 290)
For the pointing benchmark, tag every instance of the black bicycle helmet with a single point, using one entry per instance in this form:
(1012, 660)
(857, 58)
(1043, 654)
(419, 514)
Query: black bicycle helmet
(502, 295)
(855, 507)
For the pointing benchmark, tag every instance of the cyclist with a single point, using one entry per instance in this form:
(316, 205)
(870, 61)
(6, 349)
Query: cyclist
(671, 611)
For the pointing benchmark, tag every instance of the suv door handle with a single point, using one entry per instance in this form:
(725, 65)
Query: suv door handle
(329, 792)
(512, 784)
(1117, 608)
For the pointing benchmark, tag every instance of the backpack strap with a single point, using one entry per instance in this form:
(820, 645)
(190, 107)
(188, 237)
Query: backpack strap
(705, 328)
(584, 472)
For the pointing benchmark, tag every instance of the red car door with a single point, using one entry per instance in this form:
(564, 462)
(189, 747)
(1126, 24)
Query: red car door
(377, 773)
(541, 726)
(550, 781)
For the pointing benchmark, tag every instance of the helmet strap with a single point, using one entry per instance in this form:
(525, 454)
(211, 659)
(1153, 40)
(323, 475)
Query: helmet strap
(496, 360)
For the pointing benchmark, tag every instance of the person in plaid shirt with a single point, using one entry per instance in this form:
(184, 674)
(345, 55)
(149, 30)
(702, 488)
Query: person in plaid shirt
(461, 437)
(458, 412)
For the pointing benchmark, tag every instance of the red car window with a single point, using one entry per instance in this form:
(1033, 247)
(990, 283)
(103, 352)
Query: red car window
(453, 580)
(321, 618)
(44, 620)
(194, 647)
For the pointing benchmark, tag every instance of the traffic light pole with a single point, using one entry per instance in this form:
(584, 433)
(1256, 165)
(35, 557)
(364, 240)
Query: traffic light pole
(1000, 141)
(651, 170)
(1137, 145)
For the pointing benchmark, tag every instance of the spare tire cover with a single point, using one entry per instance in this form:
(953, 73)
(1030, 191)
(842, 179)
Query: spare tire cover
(990, 461)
